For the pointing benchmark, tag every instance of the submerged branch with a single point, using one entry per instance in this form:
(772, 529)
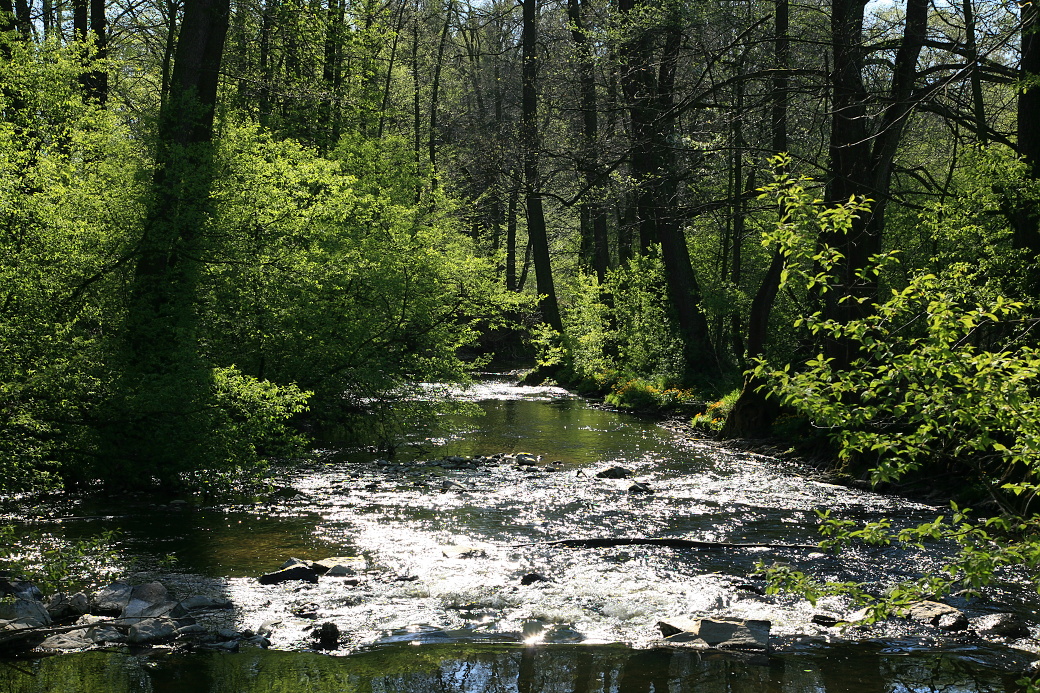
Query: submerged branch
(601, 542)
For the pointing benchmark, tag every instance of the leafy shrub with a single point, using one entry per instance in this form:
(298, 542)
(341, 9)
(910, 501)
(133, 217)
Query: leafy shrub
(714, 415)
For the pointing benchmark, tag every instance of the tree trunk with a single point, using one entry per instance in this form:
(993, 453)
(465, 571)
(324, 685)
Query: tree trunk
(595, 251)
(1027, 231)
(536, 229)
(650, 104)
(165, 381)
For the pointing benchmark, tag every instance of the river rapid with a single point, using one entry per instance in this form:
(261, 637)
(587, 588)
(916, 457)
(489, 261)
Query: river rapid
(443, 604)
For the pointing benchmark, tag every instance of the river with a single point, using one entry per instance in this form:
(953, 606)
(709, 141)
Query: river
(443, 607)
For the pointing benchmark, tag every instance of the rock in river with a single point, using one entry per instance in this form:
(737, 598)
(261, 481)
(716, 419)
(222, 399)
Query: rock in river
(930, 612)
(614, 473)
(296, 572)
(1001, 625)
(719, 633)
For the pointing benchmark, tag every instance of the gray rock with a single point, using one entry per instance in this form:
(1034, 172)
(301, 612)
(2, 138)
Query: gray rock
(930, 612)
(102, 633)
(614, 473)
(953, 622)
(722, 633)
(112, 599)
(151, 631)
(76, 640)
(640, 487)
(450, 485)
(1001, 625)
(297, 572)
(294, 561)
(138, 608)
(195, 629)
(61, 606)
(532, 578)
(678, 624)
(341, 565)
(30, 612)
(225, 646)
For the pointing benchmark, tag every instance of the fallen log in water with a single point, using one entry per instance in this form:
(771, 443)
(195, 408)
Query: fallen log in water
(671, 542)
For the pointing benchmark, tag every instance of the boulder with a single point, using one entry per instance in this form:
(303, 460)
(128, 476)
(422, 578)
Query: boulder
(76, 640)
(151, 631)
(61, 606)
(112, 599)
(640, 487)
(294, 561)
(1001, 625)
(29, 612)
(21, 589)
(340, 565)
(930, 612)
(138, 608)
(614, 473)
(721, 633)
(297, 572)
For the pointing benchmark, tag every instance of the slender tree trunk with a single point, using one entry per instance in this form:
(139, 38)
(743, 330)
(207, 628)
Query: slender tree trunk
(514, 199)
(536, 229)
(754, 411)
(433, 135)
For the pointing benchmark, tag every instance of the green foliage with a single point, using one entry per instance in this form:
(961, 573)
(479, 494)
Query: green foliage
(713, 418)
(942, 383)
(619, 338)
(69, 187)
(335, 284)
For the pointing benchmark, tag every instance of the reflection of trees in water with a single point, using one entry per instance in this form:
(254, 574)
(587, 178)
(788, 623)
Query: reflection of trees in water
(463, 668)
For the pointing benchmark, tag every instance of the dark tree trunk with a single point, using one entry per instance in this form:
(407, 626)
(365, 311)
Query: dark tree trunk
(97, 80)
(1027, 221)
(754, 411)
(861, 157)
(595, 250)
(165, 381)
(536, 229)
(650, 105)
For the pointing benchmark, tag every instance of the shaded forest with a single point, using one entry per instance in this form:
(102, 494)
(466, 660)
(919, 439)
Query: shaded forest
(217, 217)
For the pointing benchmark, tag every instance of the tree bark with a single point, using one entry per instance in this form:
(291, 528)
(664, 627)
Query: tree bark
(536, 229)
(1027, 223)
(650, 100)
(861, 158)
(165, 380)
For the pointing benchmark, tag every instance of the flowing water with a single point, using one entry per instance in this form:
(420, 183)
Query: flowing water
(443, 607)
